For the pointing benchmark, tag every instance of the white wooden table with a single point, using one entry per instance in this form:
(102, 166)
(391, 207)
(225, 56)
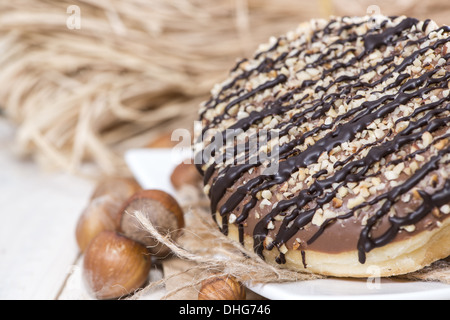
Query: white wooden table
(39, 211)
(39, 257)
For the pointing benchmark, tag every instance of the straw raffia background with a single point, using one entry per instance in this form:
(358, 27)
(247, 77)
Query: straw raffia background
(137, 68)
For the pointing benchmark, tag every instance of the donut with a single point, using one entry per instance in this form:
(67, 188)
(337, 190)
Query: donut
(328, 150)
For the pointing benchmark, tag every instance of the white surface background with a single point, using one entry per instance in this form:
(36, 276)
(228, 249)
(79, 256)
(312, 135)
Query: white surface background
(39, 211)
(39, 256)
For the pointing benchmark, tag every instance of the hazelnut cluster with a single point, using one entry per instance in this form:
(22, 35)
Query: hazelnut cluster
(118, 252)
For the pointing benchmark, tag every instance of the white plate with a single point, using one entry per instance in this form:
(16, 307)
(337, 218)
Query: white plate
(354, 289)
(152, 169)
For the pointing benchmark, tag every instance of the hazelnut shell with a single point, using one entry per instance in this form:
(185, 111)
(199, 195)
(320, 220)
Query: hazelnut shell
(222, 288)
(103, 208)
(161, 209)
(120, 188)
(100, 215)
(115, 266)
(185, 174)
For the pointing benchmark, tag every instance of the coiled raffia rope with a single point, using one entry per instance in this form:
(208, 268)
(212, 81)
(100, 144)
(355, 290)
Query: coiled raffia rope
(85, 80)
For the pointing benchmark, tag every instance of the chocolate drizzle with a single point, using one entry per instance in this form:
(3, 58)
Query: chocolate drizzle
(402, 87)
(374, 41)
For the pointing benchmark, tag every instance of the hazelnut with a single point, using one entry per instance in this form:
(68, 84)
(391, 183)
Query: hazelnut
(416, 194)
(222, 288)
(434, 180)
(118, 188)
(162, 210)
(436, 212)
(441, 144)
(185, 174)
(337, 203)
(104, 208)
(115, 266)
(354, 202)
(98, 216)
(163, 141)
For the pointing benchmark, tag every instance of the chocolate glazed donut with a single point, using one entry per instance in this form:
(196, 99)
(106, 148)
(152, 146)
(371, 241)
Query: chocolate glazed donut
(358, 115)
